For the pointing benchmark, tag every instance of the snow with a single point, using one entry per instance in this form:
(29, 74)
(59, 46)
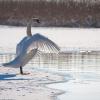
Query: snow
(64, 37)
(14, 86)
(79, 85)
(83, 86)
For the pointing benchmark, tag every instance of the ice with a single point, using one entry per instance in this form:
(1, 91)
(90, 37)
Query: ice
(83, 86)
(64, 37)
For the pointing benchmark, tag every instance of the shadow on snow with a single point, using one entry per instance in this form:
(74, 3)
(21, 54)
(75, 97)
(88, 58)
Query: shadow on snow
(11, 77)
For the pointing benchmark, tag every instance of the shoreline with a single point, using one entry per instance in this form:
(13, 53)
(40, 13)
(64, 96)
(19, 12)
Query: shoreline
(76, 89)
(32, 86)
(56, 94)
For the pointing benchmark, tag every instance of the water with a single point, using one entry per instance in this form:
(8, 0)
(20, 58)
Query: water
(84, 67)
(62, 61)
(79, 89)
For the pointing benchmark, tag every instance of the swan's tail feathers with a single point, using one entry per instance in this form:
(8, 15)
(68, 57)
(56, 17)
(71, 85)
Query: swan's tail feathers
(5, 64)
(21, 60)
(12, 64)
(8, 65)
(16, 63)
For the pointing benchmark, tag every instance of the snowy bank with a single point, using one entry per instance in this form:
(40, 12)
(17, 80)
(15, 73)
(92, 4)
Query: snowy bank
(14, 86)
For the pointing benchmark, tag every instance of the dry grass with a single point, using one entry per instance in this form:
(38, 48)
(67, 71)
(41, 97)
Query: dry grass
(70, 13)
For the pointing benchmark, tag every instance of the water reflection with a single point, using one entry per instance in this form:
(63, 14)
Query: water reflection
(63, 61)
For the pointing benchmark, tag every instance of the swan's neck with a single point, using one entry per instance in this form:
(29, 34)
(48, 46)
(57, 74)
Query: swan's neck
(29, 28)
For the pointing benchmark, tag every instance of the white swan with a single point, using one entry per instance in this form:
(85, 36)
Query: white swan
(27, 48)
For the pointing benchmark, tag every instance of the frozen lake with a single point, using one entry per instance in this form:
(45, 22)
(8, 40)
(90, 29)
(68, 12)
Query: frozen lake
(64, 37)
(84, 86)
(83, 67)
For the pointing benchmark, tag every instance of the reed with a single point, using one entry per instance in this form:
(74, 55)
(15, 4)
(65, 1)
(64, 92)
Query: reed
(72, 13)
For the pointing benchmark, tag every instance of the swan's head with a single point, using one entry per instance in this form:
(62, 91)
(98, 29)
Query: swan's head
(37, 20)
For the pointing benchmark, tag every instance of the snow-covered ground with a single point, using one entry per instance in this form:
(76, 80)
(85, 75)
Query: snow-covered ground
(79, 86)
(64, 37)
(14, 86)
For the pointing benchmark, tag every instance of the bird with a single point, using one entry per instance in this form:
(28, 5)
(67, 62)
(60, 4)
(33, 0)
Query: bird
(29, 46)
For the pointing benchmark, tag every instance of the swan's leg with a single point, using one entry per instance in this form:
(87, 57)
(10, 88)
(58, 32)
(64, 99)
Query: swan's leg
(21, 70)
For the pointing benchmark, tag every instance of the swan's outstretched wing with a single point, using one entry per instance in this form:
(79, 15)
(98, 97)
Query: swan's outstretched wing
(28, 57)
(42, 43)
(21, 60)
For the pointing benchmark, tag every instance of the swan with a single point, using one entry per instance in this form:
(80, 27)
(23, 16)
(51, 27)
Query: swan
(29, 46)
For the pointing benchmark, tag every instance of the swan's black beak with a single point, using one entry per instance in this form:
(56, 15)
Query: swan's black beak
(36, 19)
